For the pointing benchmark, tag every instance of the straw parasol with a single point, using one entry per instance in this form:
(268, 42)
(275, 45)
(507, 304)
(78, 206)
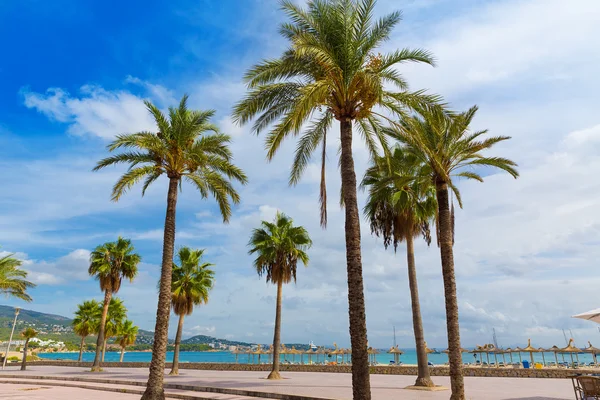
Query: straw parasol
(236, 352)
(541, 350)
(373, 352)
(321, 350)
(593, 350)
(258, 352)
(554, 349)
(571, 349)
(293, 352)
(530, 349)
(396, 352)
(509, 351)
(518, 350)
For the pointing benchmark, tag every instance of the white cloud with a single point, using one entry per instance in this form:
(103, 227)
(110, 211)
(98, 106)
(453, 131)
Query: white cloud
(95, 111)
(526, 250)
(71, 267)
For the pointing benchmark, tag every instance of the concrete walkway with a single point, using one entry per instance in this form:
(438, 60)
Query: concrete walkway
(322, 385)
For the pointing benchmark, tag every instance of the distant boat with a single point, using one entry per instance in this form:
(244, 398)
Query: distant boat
(312, 346)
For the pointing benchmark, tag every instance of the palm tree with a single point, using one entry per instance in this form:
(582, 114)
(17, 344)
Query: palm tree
(110, 263)
(126, 336)
(27, 334)
(12, 278)
(445, 144)
(181, 149)
(400, 208)
(279, 245)
(117, 313)
(192, 281)
(332, 71)
(86, 321)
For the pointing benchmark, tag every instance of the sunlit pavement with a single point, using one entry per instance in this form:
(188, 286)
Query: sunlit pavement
(323, 385)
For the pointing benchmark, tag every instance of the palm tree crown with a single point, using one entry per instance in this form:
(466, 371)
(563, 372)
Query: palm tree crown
(127, 334)
(117, 312)
(331, 70)
(28, 333)
(192, 281)
(445, 144)
(113, 261)
(399, 205)
(279, 246)
(181, 149)
(12, 278)
(87, 318)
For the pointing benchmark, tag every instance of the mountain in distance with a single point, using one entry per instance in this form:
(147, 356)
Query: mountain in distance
(34, 316)
(203, 339)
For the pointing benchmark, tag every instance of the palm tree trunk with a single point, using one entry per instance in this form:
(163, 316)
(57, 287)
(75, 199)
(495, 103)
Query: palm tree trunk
(154, 387)
(361, 384)
(104, 348)
(100, 341)
(175, 368)
(122, 354)
(277, 335)
(24, 362)
(423, 378)
(454, 355)
(81, 349)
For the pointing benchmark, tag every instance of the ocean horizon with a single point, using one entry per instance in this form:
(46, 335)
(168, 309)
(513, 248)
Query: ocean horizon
(409, 357)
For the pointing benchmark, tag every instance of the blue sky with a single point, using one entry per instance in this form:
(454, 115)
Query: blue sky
(75, 74)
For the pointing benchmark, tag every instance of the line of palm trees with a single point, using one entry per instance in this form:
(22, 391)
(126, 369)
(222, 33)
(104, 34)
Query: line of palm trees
(110, 263)
(331, 71)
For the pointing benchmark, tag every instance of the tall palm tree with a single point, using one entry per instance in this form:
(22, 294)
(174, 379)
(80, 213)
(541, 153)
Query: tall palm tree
(27, 334)
(181, 149)
(126, 336)
(192, 281)
(117, 313)
(449, 149)
(332, 71)
(278, 246)
(13, 279)
(86, 321)
(400, 208)
(110, 263)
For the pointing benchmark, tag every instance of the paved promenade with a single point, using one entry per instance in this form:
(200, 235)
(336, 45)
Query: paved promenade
(321, 385)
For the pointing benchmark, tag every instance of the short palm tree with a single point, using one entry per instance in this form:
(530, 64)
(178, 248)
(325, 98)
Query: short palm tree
(13, 279)
(117, 313)
(27, 334)
(332, 71)
(400, 208)
(192, 281)
(126, 336)
(181, 149)
(110, 263)
(86, 321)
(444, 143)
(279, 246)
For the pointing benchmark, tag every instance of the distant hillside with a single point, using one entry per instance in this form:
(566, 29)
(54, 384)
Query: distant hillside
(203, 339)
(34, 316)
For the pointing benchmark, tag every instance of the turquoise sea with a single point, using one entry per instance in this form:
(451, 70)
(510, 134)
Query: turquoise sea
(409, 357)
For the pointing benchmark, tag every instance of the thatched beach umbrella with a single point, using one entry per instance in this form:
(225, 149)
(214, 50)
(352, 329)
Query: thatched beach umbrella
(593, 350)
(530, 349)
(258, 352)
(373, 354)
(571, 349)
(518, 350)
(541, 350)
(321, 350)
(236, 352)
(396, 352)
(509, 351)
(555, 350)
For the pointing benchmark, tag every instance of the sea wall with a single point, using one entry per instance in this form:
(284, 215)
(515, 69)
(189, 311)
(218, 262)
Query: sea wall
(385, 370)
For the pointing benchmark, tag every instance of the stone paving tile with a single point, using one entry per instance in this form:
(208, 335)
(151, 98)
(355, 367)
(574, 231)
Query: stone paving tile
(41, 392)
